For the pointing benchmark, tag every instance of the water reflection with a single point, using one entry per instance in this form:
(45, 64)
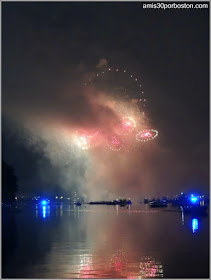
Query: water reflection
(118, 260)
(85, 265)
(183, 218)
(36, 213)
(194, 222)
(61, 210)
(119, 266)
(44, 212)
(108, 242)
(9, 239)
(149, 268)
(195, 225)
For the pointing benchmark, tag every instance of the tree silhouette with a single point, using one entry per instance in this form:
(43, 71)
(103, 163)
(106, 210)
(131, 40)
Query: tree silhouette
(9, 183)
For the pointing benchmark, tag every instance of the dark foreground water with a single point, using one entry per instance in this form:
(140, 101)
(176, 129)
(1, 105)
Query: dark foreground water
(97, 241)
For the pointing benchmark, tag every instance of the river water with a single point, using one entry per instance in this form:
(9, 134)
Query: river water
(101, 241)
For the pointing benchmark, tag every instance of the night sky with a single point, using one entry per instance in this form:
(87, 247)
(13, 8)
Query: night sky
(47, 47)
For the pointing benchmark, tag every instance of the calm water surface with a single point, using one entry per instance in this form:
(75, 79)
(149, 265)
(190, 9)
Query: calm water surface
(99, 241)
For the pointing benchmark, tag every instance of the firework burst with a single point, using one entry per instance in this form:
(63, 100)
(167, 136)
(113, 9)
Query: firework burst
(122, 93)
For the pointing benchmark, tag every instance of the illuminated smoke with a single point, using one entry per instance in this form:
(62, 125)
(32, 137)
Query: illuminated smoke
(127, 125)
(78, 126)
(115, 143)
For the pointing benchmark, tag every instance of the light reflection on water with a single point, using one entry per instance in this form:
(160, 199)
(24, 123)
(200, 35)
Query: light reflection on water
(44, 212)
(195, 225)
(194, 222)
(108, 242)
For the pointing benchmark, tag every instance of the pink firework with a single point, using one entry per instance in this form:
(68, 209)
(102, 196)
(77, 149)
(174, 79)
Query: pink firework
(127, 126)
(125, 85)
(115, 143)
(114, 140)
(146, 135)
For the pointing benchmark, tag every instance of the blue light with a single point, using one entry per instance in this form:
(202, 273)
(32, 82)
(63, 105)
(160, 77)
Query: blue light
(193, 199)
(195, 225)
(44, 212)
(44, 202)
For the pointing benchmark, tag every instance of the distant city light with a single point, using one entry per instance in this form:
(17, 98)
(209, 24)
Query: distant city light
(183, 218)
(44, 202)
(193, 198)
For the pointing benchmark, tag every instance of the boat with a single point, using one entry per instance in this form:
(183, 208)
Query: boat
(157, 203)
(77, 203)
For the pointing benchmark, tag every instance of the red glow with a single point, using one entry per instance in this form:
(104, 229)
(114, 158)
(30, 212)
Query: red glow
(119, 260)
(86, 266)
